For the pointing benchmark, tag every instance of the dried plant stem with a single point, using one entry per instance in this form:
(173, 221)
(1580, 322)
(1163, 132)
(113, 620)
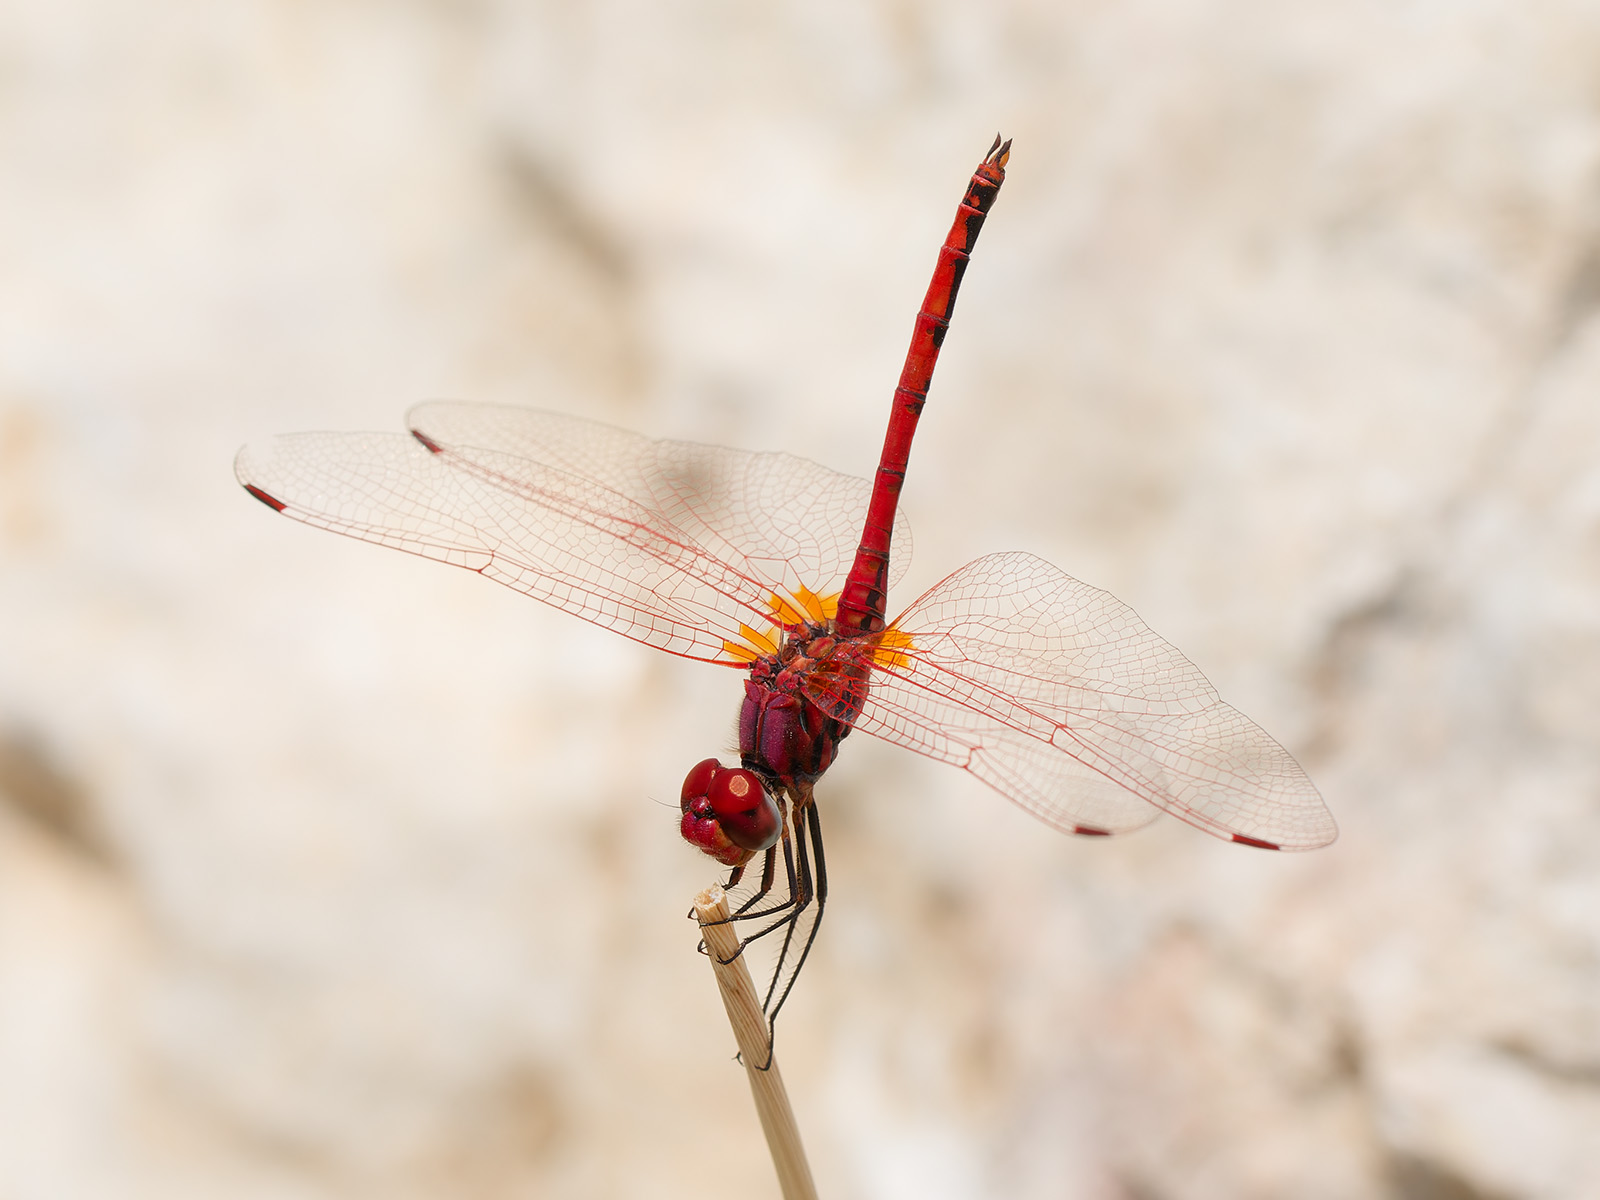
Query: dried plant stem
(750, 1029)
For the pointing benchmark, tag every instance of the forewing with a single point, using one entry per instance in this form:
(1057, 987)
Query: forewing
(583, 516)
(1057, 694)
(780, 518)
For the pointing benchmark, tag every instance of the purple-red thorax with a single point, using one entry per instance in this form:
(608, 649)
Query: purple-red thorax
(786, 740)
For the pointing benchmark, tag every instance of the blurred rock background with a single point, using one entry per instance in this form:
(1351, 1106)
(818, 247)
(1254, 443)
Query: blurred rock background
(327, 872)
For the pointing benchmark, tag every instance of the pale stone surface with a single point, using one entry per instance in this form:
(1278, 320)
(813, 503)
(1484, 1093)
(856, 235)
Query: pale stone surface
(327, 872)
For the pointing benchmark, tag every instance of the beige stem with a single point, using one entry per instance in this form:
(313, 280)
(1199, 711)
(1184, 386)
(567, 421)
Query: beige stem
(750, 1029)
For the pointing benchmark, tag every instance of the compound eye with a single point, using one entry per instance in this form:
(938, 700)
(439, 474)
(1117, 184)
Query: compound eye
(727, 813)
(699, 780)
(748, 815)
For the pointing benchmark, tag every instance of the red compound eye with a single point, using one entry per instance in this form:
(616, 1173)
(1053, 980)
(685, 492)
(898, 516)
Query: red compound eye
(699, 780)
(727, 813)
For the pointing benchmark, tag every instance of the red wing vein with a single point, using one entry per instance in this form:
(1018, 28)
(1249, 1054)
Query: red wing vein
(1058, 695)
(674, 544)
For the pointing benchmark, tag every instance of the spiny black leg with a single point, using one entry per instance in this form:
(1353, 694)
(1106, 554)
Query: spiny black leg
(789, 871)
(789, 839)
(822, 865)
(769, 872)
(814, 828)
(802, 898)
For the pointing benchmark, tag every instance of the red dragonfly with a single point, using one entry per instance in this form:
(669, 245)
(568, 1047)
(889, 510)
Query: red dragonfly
(1052, 692)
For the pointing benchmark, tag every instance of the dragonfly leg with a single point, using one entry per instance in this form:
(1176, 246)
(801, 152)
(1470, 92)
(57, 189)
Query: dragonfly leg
(769, 872)
(801, 892)
(811, 895)
(793, 891)
(816, 889)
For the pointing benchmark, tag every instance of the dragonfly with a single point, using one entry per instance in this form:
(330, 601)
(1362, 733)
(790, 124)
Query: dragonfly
(1052, 692)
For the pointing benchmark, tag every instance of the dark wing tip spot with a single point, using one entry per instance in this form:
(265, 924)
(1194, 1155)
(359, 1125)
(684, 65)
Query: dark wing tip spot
(1090, 831)
(270, 502)
(427, 441)
(1256, 842)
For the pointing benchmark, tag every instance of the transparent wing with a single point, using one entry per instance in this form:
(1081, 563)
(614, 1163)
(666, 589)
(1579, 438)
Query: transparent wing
(1056, 694)
(674, 544)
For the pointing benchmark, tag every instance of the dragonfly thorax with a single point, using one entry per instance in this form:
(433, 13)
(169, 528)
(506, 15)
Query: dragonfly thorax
(786, 742)
(784, 736)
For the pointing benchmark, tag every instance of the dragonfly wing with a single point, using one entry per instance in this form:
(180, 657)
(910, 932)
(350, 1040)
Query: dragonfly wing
(780, 518)
(1059, 696)
(588, 524)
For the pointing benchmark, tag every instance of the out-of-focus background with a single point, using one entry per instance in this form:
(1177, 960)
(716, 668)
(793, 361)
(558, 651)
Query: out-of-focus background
(328, 872)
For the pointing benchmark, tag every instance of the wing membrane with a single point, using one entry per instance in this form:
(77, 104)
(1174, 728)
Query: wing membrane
(1057, 694)
(674, 544)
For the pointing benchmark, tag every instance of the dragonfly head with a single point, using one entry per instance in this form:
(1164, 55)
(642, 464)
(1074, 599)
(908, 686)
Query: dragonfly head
(727, 813)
